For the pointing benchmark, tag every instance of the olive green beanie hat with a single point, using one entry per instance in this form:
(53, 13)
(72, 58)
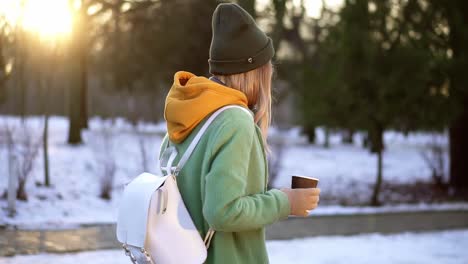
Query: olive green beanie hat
(238, 44)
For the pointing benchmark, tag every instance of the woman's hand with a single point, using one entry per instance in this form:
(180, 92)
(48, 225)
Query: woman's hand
(302, 200)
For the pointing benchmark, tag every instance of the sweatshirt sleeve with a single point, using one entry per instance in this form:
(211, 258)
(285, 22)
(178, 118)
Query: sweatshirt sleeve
(227, 207)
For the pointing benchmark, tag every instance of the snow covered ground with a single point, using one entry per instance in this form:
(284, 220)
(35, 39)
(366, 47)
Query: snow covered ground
(76, 172)
(445, 247)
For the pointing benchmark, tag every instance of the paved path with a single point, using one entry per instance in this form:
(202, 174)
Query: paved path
(447, 247)
(14, 242)
(350, 224)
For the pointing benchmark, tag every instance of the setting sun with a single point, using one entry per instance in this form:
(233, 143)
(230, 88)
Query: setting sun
(49, 18)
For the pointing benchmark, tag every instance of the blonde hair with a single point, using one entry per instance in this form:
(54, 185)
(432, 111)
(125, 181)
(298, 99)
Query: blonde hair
(256, 85)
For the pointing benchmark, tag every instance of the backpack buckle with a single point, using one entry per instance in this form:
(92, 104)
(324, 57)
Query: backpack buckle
(176, 171)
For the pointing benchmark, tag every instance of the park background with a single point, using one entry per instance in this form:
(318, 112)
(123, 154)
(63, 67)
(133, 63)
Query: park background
(370, 96)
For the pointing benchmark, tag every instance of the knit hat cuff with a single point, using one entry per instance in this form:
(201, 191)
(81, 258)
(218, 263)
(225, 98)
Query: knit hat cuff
(226, 67)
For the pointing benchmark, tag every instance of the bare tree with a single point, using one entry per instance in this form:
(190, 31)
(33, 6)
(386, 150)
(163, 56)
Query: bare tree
(435, 154)
(22, 148)
(143, 151)
(103, 148)
(147, 144)
(12, 179)
(45, 135)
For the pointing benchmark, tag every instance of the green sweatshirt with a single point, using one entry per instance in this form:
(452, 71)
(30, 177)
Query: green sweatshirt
(224, 186)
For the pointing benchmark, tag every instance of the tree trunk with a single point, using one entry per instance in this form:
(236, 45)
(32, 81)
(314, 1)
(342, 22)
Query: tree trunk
(12, 177)
(83, 90)
(45, 145)
(458, 154)
(83, 57)
(279, 7)
(378, 145)
(375, 194)
(348, 136)
(326, 143)
(75, 86)
(74, 129)
(309, 130)
(457, 18)
(375, 139)
(45, 131)
(365, 140)
(21, 193)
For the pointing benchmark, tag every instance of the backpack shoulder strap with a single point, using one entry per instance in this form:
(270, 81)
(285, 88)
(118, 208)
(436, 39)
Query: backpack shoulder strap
(200, 133)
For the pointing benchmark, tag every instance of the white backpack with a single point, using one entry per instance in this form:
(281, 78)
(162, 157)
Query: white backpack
(153, 223)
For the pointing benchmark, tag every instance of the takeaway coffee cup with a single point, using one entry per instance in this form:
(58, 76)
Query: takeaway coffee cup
(303, 182)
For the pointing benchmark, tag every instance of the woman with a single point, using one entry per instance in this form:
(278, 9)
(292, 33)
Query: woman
(224, 183)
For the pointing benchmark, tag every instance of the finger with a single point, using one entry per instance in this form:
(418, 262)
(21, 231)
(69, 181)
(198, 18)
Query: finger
(302, 213)
(304, 191)
(312, 206)
(314, 199)
(312, 191)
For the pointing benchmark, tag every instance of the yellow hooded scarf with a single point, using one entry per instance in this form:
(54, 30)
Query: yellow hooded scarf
(191, 98)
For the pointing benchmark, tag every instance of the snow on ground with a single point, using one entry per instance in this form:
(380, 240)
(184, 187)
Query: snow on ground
(343, 169)
(77, 170)
(448, 247)
(339, 210)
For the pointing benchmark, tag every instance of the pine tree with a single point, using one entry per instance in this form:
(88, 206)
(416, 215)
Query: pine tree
(372, 74)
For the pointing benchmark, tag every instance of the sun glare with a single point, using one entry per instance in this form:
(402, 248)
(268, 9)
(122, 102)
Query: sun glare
(49, 18)
(312, 7)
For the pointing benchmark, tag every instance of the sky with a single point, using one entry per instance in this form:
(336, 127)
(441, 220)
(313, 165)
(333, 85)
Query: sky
(46, 17)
